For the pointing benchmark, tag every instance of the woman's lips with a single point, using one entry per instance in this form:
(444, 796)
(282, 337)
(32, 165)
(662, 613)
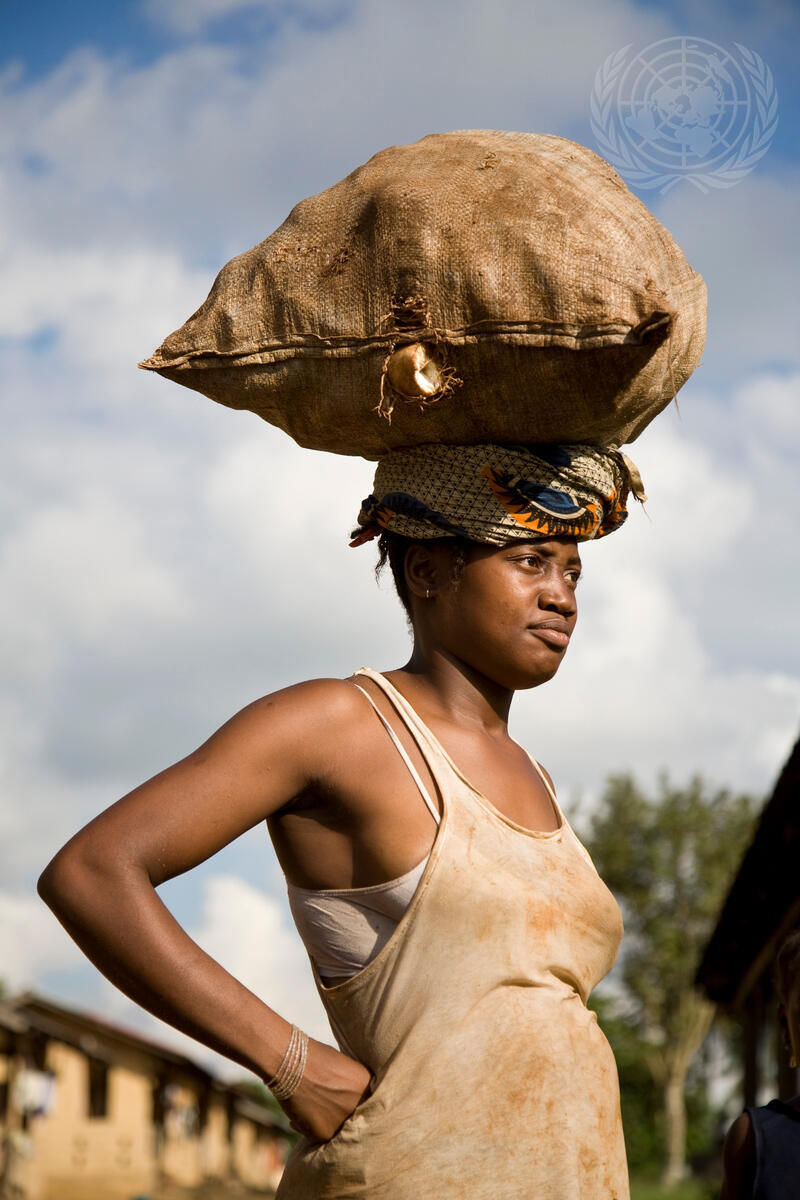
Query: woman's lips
(553, 637)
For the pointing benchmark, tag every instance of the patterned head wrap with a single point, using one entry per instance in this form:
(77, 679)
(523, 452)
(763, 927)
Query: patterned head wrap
(497, 494)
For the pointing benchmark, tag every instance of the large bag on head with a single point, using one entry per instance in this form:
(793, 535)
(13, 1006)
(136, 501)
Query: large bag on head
(474, 286)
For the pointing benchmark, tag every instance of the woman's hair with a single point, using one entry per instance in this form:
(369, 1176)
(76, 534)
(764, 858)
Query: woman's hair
(392, 548)
(787, 965)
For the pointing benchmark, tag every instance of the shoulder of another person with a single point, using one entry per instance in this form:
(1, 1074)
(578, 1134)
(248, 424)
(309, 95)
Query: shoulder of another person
(739, 1158)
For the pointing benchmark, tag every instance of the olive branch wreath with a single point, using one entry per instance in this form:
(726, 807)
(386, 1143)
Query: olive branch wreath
(739, 163)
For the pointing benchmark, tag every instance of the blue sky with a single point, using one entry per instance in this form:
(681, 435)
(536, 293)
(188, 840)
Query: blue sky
(156, 570)
(41, 35)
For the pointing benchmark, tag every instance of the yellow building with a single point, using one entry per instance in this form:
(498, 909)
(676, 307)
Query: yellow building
(90, 1111)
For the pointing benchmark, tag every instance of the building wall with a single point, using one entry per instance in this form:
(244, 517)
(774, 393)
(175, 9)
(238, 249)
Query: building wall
(107, 1156)
(68, 1154)
(216, 1147)
(257, 1155)
(182, 1145)
(243, 1138)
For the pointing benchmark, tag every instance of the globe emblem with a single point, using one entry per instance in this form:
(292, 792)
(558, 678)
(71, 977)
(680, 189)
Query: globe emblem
(684, 108)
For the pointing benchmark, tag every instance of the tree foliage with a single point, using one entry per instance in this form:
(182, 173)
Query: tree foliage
(669, 860)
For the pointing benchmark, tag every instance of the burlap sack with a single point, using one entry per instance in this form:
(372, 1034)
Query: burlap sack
(543, 300)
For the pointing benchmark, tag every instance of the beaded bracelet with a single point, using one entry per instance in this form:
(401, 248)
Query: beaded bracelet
(293, 1065)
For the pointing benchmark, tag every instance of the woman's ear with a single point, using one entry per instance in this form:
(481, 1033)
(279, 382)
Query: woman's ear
(423, 569)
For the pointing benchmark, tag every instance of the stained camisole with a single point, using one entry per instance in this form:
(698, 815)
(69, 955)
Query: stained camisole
(490, 1076)
(343, 929)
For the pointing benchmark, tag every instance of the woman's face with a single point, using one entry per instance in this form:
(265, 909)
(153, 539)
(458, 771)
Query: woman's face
(512, 612)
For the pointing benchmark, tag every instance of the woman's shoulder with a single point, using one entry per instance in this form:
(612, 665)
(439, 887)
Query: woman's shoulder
(298, 730)
(321, 701)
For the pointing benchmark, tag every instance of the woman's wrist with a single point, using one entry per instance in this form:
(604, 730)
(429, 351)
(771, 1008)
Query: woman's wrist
(292, 1066)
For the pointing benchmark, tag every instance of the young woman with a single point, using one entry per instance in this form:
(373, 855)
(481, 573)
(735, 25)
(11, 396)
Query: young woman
(762, 1149)
(454, 923)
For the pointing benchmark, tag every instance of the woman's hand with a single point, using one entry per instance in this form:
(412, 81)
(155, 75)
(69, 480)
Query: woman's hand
(331, 1088)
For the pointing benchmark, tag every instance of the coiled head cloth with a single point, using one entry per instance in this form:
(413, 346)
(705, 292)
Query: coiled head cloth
(497, 494)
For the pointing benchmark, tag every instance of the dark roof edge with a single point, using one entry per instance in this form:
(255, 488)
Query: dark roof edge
(714, 973)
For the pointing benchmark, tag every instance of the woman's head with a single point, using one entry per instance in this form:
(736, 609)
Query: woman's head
(507, 611)
(482, 543)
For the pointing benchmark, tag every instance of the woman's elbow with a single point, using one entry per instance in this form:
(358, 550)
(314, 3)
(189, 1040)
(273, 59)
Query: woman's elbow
(71, 878)
(59, 880)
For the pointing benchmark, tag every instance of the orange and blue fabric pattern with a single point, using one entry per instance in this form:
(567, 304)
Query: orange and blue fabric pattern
(495, 494)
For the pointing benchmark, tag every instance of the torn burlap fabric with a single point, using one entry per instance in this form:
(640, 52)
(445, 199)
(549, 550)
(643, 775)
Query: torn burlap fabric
(497, 494)
(549, 304)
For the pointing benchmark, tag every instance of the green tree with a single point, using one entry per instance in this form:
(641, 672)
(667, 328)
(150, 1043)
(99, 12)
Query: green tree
(669, 860)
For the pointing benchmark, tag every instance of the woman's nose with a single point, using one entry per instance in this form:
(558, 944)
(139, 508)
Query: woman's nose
(557, 594)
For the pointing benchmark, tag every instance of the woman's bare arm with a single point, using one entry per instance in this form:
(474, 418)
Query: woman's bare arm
(101, 886)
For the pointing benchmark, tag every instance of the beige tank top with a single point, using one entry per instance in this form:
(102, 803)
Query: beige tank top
(491, 1078)
(343, 929)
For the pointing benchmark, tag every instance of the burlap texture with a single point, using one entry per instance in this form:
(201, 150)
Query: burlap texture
(561, 309)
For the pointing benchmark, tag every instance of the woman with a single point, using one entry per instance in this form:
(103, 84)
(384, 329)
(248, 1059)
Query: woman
(398, 803)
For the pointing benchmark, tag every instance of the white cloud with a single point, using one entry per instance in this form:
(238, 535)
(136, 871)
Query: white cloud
(31, 942)
(152, 589)
(645, 686)
(771, 405)
(208, 147)
(165, 560)
(81, 573)
(104, 305)
(737, 239)
(246, 931)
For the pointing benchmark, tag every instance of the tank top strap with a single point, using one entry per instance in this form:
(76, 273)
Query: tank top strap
(426, 742)
(412, 770)
(548, 785)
